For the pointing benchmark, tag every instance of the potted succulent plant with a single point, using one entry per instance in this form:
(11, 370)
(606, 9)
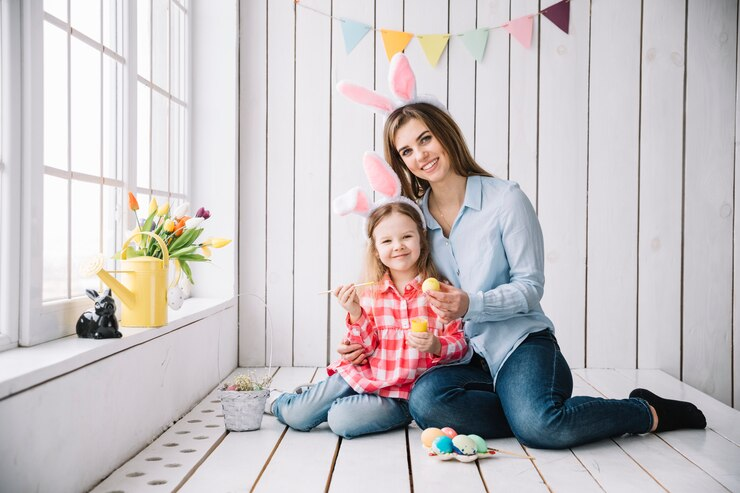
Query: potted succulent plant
(243, 401)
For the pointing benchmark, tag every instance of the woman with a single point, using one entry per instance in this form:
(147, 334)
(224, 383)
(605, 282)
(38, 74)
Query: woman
(487, 241)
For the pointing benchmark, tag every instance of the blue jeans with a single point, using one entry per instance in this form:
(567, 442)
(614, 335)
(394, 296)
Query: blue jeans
(532, 401)
(348, 413)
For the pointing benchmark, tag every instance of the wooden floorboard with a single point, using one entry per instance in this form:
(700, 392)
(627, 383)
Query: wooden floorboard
(278, 459)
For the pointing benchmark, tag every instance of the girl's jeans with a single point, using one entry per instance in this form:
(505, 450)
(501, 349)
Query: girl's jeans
(348, 413)
(532, 401)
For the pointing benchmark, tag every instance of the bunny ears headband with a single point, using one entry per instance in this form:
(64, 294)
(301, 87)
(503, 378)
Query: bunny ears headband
(384, 181)
(402, 83)
(381, 176)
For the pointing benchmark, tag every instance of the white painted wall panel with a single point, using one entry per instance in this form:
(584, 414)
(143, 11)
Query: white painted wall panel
(252, 182)
(281, 183)
(614, 106)
(524, 105)
(708, 205)
(661, 186)
(312, 204)
(563, 154)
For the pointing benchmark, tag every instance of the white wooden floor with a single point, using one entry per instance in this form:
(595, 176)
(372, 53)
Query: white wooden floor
(197, 455)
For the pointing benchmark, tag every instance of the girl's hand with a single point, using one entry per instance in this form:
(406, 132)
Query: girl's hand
(449, 303)
(424, 341)
(347, 297)
(353, 353)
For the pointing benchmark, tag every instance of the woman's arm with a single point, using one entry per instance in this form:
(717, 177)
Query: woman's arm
(521, 236)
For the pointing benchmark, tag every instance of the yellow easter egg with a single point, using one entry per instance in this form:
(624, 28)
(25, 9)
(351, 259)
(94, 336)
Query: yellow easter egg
(430, 284)
(418, 325)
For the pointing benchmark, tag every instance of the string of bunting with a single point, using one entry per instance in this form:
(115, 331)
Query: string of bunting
(434, 45)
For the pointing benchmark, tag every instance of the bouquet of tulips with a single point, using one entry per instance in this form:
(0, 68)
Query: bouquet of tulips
(179, 231)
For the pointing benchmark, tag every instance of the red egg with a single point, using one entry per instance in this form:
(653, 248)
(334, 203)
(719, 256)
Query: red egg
(449, 432)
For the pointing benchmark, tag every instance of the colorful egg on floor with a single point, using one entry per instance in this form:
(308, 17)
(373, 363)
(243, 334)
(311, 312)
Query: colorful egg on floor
(449, 432)
(464, 445)
(428, 436)
(442, 445)
(480, 445)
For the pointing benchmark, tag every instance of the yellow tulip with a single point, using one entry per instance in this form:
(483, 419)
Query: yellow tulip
(169, 225)
(216, 242)
(163, 209)
(153, 206)
(206, 251)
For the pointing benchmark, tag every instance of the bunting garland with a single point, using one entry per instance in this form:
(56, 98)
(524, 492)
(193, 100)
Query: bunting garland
(434, 45)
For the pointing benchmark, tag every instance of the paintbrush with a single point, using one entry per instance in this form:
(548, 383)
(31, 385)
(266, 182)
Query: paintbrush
(356, 285)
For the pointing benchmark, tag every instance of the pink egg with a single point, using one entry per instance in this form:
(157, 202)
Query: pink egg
(449, 432)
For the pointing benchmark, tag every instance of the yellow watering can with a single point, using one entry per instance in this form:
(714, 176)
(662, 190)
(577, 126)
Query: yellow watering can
(143, 287)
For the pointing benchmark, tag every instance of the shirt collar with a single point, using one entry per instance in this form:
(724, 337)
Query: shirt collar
(387, 284)
(473, 200)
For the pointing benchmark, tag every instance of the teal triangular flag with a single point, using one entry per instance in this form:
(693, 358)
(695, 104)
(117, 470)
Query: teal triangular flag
(353, 33)
(475, 41)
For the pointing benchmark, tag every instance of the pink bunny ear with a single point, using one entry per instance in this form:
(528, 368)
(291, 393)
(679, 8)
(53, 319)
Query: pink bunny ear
(353, 200)
(380, 175)
(401, 78)
(366, 97)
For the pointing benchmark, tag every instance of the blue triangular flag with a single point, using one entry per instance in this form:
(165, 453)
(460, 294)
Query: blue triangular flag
(475, 41)
(353, 33)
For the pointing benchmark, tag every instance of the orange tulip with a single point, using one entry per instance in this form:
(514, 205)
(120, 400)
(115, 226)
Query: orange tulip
(133, 204)
(180, 226)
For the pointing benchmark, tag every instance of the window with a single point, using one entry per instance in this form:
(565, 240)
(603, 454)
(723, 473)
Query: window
(9, 170)
(114, 119)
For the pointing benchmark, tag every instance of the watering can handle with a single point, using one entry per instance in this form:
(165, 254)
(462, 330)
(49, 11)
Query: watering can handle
(162, 245)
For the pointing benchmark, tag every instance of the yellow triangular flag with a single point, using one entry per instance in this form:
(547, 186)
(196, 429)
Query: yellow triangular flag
(433, 46)
(395, 41)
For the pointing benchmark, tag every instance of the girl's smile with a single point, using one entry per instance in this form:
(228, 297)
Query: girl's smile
(398, 246)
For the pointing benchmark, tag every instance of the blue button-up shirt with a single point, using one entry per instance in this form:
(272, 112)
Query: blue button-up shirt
(495, 253)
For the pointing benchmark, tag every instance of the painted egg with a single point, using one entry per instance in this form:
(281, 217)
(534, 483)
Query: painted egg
(449, 432)
(480, 445)
(462, 444)
(442, 445)
(428, 436)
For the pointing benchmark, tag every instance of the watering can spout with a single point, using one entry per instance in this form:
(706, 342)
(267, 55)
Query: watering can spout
(118, 289)
(94, 266)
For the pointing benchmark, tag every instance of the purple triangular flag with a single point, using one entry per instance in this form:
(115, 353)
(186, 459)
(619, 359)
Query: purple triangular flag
(559, 14)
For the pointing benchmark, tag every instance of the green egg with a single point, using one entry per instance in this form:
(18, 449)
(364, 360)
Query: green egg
(480, 444)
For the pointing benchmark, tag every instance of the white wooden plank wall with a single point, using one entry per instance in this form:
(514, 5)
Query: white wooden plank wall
(622, 134)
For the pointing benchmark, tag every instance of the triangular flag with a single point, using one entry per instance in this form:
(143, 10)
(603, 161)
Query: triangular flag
(559, 14)
(433, 46)
(475, 41)
(353, 33)
(395, 41)
(521, 29)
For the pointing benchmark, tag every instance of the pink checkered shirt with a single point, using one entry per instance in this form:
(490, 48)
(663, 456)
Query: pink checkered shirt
(393, 366)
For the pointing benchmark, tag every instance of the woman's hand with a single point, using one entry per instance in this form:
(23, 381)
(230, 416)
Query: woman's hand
(347, 297)
(449, 303)
(353, 353)
(424, 341)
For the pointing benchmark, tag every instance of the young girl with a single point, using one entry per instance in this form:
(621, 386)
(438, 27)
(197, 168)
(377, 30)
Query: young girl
(371, 398)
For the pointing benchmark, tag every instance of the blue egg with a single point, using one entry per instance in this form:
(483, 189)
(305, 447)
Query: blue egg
(442, 445)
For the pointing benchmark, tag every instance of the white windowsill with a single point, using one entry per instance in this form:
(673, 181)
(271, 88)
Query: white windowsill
(26, 367)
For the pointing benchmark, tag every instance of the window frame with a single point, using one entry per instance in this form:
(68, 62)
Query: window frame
(10, 160)
(40, 321)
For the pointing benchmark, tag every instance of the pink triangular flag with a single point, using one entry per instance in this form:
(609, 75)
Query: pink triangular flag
(521, 29)
(559, 14)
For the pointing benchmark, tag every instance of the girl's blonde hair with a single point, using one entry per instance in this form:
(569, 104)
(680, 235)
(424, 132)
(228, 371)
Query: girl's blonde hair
(444, 129)
(374, 268)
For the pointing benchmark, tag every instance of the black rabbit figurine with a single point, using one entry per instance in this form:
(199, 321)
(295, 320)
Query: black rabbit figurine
(100, 322)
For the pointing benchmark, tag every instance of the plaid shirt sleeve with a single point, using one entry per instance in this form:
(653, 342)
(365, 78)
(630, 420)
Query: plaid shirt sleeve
(363, 332)
(452, 341)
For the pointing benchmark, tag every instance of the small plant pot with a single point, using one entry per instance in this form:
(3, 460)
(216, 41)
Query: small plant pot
(243, 411)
